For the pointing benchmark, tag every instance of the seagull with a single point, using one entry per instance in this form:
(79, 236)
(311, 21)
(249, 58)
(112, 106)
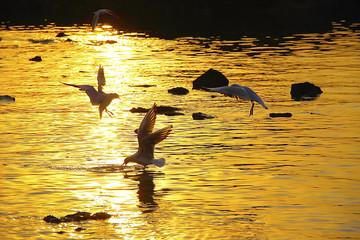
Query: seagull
(241, 92)
(147, 140)
(97, 15)
(98, 97)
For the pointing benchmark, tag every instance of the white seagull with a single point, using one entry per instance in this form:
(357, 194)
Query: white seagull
(98, 97)
(100, 12)
(147, 140)
(241, 92)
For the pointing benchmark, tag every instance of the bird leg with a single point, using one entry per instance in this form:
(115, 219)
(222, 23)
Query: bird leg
(109, 113)
(252, 109)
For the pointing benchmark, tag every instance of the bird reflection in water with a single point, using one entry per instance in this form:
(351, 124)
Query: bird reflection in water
(146, 191)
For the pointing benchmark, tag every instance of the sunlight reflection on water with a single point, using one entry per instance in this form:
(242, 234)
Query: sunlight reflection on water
(228, 177)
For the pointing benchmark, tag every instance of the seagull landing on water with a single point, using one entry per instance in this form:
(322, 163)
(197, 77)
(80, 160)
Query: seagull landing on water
(237, 92)
(100, 12)
(98, 97)
(147, 140)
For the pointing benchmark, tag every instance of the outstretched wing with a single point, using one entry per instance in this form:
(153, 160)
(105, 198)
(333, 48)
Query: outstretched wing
(234, 91)
(94, 96)
(95, 19)
(97, 15)
(147, 124)
(159, 135)
(255, 97)
(101, 79)
(147, 144)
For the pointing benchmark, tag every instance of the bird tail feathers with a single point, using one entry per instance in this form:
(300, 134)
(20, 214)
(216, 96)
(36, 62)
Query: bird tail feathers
(159, 162)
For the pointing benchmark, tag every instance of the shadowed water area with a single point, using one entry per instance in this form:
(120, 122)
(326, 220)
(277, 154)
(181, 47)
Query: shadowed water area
(228, 177)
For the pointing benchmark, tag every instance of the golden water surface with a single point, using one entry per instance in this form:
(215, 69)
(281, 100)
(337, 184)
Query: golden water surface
(229, 177)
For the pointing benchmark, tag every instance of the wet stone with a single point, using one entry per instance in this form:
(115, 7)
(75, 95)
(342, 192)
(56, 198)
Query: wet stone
(178, 91)
(210, 79)
(201, 116)
(160, 109)
(273, 115)
(77, 217)
(51, 219)
(61, 34)
(36, 59)
(7, 98)
(305, 91)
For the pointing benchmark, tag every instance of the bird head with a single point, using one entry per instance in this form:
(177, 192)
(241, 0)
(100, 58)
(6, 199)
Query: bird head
(126, 161)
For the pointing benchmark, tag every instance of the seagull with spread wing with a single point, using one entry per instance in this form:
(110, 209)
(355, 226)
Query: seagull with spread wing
(98, 97)
(240, 92)
(100, 12)
(147, 140)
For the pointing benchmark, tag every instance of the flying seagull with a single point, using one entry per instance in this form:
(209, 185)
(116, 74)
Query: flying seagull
(147, 140)
(100, 12)
(98, 97)
(241, 92)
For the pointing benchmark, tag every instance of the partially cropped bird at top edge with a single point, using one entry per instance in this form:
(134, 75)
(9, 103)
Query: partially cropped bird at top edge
(242, 92)
(98, 97)
(147, 140)
(100, 12)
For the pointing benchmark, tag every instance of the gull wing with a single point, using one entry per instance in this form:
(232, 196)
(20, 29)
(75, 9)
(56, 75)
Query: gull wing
(95, 19)
(234, 91)
(147, 124)
(97, 15)
(255, 97)
(101, 79)
(147, 144)
(94, 96)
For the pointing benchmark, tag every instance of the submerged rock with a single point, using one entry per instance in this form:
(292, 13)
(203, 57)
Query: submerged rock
(7, 98)
(273, 115)
(305, 91)
(51, 219)
(174, 113)
(201, 116)
(36, 59)
(210, 79)
(160, 110)
(178, 91)
(61, 34)
(77, 217)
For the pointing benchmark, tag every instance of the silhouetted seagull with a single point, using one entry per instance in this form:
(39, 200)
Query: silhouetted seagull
(147, 140)
(100, 12)
(98, 97)
(237, 91)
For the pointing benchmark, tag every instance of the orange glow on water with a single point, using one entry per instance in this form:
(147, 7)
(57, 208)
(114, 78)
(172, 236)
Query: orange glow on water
(229, 176)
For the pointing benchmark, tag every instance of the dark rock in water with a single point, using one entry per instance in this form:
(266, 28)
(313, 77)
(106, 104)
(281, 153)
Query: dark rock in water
(174, 113)
(68, 40)
(7, 98)
(36, 59)
(144, 85)
(164, 109)
(77, 217)
(178, 91)
(160, 109)
(100, 216)
(110, 41)
(305, 91)
(139, 110)
(51, 219)
(273, 115)
(201, 116)
(79, 229)
(61, 34)
(210, 79)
